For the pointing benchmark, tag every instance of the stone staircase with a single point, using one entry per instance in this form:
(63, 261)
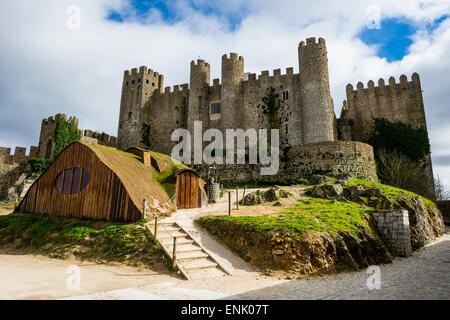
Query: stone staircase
(192, 260)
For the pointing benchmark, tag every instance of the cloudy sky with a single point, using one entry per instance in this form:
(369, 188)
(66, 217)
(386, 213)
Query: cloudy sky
(49, 65)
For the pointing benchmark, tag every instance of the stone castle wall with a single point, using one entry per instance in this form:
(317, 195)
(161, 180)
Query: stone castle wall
(354, 158)
(401, 101)
(240, 96)
(397, 101)
(12, 167)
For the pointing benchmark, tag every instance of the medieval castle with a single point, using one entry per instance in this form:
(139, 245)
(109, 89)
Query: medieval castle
(311, 135)
(306, 114)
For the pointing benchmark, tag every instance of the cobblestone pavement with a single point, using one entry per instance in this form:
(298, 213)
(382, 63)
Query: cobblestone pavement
(424, 275)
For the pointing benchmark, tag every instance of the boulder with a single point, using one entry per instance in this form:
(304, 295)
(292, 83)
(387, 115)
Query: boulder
(318, 179)
(252, 198)
(270, 195)
(426, 223)
(327, 191)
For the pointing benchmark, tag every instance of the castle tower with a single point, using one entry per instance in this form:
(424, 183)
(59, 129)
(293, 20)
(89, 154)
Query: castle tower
(137, 88)
(232, 77)
(317, 108)
(198, 100)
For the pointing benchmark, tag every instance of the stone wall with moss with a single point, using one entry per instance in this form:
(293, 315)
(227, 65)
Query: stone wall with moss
(330, 158)
(334, 157)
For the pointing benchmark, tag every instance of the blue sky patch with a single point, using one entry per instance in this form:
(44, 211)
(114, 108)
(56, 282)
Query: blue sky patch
(394, 37)
(170, 14)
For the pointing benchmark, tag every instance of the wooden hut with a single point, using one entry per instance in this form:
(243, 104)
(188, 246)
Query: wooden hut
(190, 192)
(96, 182)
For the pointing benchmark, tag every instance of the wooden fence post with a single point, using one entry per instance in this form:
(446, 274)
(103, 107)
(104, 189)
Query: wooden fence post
(156, 226)
(229, 203)
(174, 252)
(243, 196)
(237, 198)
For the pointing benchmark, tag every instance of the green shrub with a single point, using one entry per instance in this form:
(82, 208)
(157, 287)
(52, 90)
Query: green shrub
(39, 165)
(65, 133)
(400, 137)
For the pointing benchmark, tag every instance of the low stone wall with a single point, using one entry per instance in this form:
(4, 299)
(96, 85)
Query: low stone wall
(444, 207)
(393, 227)
(355, 158)
(330, 158)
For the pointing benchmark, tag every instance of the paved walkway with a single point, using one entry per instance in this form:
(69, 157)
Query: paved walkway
(424, 275)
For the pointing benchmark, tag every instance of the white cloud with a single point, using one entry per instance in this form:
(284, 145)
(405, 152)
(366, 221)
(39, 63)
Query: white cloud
(48, 69)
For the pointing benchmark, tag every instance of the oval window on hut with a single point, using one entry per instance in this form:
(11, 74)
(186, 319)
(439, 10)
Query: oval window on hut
(72, 180)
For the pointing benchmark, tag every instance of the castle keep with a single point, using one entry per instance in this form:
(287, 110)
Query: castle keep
(306, 116)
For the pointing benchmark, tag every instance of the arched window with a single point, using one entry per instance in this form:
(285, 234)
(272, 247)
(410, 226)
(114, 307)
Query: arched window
(72, 180)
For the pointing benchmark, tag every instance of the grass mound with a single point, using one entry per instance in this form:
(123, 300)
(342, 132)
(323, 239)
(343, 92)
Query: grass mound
(89, 240)
(309, 215)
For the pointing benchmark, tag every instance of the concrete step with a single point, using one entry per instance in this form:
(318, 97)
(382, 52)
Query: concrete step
(169, 241)
(164, 235)
(186, 247)
(166, 228)
(191, 255)
(198, 264)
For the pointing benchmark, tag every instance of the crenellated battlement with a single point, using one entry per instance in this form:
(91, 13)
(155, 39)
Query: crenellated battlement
(312, 42)
(200, 63)
(98, 138)
(232, 56)
(179, 88)
(19, 156)
(403, 83)
(275, 73)
(143, 70)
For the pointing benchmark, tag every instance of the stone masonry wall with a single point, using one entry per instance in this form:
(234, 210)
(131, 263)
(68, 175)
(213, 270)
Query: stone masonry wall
(12, 167)
(393, 227)
(240, 96)
(354, 158)
(397, 101)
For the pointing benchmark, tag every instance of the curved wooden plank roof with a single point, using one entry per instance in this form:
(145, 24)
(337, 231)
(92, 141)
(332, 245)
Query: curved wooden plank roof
(136, 177)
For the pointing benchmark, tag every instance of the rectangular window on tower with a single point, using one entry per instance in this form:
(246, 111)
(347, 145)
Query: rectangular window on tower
(215, 108)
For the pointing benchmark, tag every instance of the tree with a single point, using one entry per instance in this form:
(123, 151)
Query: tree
(145, 135)
(400, 137)
(396, 169)
(442, 191)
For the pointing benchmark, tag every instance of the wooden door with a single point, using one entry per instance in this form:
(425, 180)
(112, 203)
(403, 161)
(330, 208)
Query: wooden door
(187, 190)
